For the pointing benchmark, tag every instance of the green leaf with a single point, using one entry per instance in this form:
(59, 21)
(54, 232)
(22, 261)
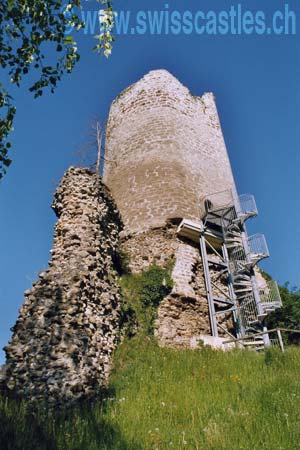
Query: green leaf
(68, 40)
(10, 4)
(25, 26)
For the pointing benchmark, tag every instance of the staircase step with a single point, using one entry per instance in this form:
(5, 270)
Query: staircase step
(223, 301)
(215, 261)
(249, 289)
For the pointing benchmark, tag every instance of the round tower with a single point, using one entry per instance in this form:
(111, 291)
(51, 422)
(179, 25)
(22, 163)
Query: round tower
(164, 152)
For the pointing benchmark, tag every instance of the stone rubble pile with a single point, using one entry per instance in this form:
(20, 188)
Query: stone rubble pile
(68, 326)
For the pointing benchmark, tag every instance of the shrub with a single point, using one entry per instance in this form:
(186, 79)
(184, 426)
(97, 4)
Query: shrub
(142, 295)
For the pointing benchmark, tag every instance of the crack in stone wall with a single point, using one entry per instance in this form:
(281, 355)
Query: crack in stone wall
(68, 325)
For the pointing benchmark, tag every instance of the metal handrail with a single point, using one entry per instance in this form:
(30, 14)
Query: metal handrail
(218, 200)
(248, 311)
(248, 205)
(224, 199)
(270, 294)
(262, 333)
(258, 246)
(258, 250)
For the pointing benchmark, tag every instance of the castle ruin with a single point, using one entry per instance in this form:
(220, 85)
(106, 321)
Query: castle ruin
(168, 175)
(68, 324)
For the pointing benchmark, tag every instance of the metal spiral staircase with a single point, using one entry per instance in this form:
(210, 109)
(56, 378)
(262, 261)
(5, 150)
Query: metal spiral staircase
(229, 258)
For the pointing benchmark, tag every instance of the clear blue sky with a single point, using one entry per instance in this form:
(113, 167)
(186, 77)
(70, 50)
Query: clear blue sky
(256, 83)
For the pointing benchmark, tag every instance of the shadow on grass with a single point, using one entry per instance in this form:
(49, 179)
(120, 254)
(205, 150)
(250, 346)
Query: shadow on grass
(81, 427)
(23, 434)
(88, 430)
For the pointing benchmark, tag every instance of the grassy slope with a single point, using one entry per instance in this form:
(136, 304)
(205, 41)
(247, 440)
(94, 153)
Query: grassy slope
(165, 399)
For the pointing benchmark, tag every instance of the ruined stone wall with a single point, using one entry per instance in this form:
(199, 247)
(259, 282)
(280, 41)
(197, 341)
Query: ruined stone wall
(183, 314)
(69, 323)
(164, 152)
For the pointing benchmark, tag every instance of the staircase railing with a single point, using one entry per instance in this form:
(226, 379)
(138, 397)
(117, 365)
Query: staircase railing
(227, 211)
(270, 295)
(278, 331)
(258, 250)
(248, 205)
(258, 247)
(218, 200)
(224, 199)
(248, 312)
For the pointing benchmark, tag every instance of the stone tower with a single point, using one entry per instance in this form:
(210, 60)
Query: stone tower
(164, 152)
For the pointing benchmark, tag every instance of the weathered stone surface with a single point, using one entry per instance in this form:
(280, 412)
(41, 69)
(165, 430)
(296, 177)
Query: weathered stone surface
(164, 152)
(184, 313)
(68, 325)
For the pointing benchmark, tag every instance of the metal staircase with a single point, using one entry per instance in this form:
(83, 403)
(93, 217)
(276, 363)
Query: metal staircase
(229, 258)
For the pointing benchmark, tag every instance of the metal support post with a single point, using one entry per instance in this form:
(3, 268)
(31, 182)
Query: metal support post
(211, 305)
(266, 338)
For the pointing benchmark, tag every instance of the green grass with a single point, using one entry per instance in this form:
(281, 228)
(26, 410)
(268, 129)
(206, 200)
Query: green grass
(168, 399)
(164, 399)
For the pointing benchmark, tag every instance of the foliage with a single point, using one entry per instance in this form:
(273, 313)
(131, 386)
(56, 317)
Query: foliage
(289, 315)
(5, 127)
(165, 399)
(143, 293)
(27, 30)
